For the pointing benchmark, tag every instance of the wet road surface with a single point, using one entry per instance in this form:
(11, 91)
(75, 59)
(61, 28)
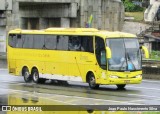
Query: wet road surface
(14, 91)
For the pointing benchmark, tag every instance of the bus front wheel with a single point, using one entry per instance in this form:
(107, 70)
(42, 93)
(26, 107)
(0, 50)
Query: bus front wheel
(92, 82)
(35, 77)
(121, 86)
(26, 75)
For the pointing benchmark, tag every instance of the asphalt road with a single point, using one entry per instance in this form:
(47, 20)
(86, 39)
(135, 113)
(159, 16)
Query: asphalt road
(14, 91)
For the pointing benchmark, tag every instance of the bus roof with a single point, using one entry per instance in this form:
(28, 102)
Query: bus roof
(75, 31)
(115, 34)
(71, 30)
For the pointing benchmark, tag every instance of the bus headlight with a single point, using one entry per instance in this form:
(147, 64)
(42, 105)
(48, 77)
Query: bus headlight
(113, 76)
(138, 76)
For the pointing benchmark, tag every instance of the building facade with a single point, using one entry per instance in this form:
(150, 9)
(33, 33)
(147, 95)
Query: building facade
(41, 14)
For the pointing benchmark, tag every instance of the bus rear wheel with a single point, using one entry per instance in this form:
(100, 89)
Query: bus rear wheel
(35, 77)
(26, 75)
(121, 86)
(92, 82)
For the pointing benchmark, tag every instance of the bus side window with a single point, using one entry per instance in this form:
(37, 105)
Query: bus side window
(27, 41)
(74, 43)
(19, 41)
(12, 40)
(87, 44)
(51, 42)
(38, 42)
(62, 42)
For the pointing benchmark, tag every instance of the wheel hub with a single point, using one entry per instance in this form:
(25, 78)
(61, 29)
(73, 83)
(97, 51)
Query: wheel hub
(35, 76)
(26, 75)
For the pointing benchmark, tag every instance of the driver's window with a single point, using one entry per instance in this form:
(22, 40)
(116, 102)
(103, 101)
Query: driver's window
(100, 52)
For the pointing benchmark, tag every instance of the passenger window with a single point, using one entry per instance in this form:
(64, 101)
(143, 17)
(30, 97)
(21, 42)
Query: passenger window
(38, 42)
(62, 42)
(51, 42)
(19, 41)
(74, 43)
(87, 44)
(12, 40)
(27, 41)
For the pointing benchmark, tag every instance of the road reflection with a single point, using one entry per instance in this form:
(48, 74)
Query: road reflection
(35, 103)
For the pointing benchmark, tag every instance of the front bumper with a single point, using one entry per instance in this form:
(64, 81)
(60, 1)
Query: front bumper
(114, 81)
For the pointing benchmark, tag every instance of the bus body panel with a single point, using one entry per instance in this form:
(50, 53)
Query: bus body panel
(53, 62)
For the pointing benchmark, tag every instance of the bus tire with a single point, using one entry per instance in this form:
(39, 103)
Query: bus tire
(35, 77)
(121, 86)
(26, 75)
(92, 82)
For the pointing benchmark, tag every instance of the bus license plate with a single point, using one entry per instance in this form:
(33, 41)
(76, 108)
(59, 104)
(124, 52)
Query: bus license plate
(126, 81)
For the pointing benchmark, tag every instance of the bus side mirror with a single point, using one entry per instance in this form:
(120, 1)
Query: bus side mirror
(108, 53)
(145, 50)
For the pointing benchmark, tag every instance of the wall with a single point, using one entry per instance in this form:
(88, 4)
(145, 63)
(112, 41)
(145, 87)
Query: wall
(2, 39)
(107, 14)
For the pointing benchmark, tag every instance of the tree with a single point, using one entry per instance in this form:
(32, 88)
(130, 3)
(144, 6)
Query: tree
(132, 7)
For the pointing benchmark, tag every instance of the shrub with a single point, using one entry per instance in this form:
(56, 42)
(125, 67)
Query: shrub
(130, 7)
(155, 55)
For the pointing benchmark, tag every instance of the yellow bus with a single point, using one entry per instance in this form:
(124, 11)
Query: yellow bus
(76, 54)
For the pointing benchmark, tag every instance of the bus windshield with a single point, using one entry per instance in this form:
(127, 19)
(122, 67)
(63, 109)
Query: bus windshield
(126, 55)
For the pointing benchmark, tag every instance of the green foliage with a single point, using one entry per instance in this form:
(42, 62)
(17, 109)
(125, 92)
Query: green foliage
(155, 55)
(130, 7)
